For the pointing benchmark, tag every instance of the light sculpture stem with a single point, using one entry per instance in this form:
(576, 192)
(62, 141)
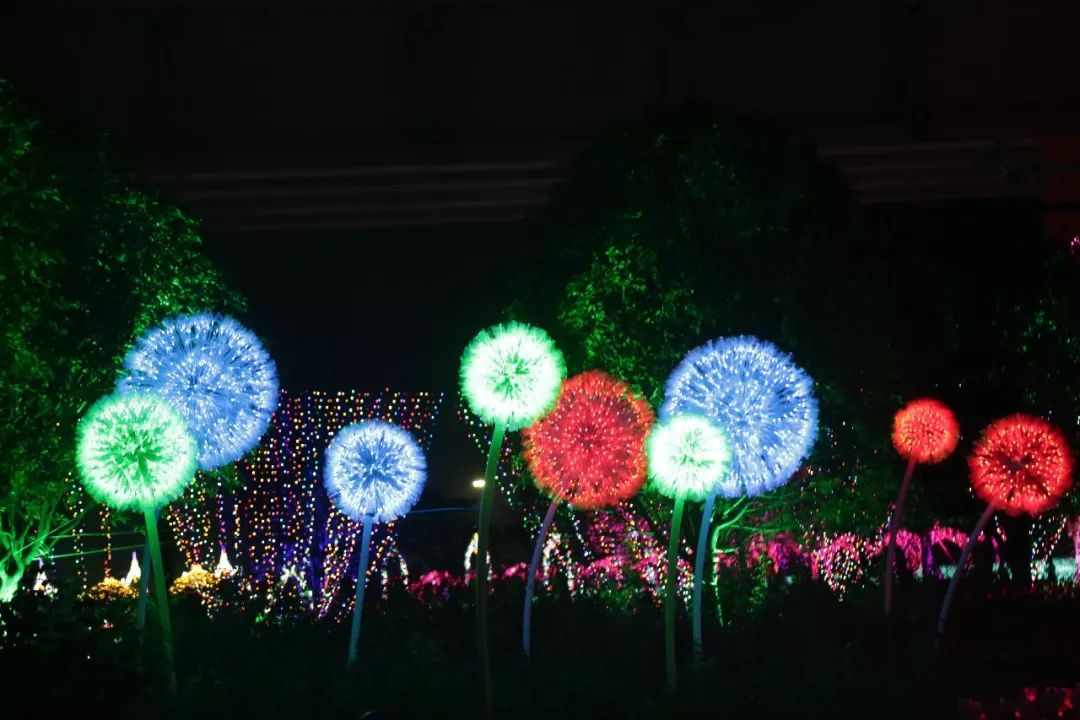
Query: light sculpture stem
(669, 597)
(486, 498)
(894, 528)
(144, 578)
(162, 597)
(361, 585)
(960, 566)
(699, 574)
(530, 582)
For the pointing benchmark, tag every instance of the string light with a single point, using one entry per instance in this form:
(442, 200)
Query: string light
(215, 372)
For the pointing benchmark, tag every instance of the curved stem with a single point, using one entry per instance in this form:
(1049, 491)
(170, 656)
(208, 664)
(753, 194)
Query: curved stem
(486, 498)
(894, 528)
(669, 597)
(530, 582)
(361, 586)
(699, 574)
(162, 598)
(961, 565)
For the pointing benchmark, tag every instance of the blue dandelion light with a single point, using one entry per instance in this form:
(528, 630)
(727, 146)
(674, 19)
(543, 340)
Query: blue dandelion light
(373, 467)
(763, 400)
(216, 374)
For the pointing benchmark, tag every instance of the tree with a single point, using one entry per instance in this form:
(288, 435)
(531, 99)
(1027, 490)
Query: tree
(87, 262)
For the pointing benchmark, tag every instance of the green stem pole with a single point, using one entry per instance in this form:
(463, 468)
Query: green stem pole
(144, 578)
(530, 582)
(894, 528)
(669, 599)
(486, 499)
(699, 574)
(961, 565)
(162, 597)
(361, 585)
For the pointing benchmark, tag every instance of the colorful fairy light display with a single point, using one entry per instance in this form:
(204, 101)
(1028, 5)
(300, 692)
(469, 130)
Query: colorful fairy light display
(216, 373)
(589, 451)
(924, 431)
(1021, 464)
(511, 373)
(134, 451)
(279, 516)
(759, 397)
(375, 471)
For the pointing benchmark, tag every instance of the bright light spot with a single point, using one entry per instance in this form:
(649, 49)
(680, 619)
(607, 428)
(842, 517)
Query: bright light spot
(478, 483)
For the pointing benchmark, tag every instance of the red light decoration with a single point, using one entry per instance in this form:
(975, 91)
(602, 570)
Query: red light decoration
(925, 430)
(589, 451)
(1021, 464)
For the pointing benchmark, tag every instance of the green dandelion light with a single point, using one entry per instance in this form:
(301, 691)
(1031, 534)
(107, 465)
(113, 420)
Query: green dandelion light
(134, 452)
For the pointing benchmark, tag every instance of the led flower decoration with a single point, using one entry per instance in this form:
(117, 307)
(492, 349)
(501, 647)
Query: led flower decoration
(759, 397)
(1021, 464)
(374, 471)
(689, 458)
(134, 451)
(765, 404)
(374, 468)
(511, 373)
(589, 451)
(924, 431)
(216, 373)
(510, 376)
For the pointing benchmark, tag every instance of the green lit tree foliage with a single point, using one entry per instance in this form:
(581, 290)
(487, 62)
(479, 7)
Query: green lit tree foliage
(698, 225)
(86, 263)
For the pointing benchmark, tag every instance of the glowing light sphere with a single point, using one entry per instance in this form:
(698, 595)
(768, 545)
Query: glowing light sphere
(689, 457)
(589, 450)
(925, 430)
(511, 373)
(134, 451)
(216, 373)
(1021, 464)
(374, 467)
(764, 402)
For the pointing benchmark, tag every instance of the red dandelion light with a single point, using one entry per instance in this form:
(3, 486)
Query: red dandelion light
(589, 450)
(1021, 464)
(925, 431)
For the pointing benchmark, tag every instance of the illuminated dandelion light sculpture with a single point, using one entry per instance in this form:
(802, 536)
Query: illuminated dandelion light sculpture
(374, 472)
(924, 431)
(589, 452)
(510, 376)
(689, 458)
(1021, 464)
(216, 373)
(134, 452)
(765, 404)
